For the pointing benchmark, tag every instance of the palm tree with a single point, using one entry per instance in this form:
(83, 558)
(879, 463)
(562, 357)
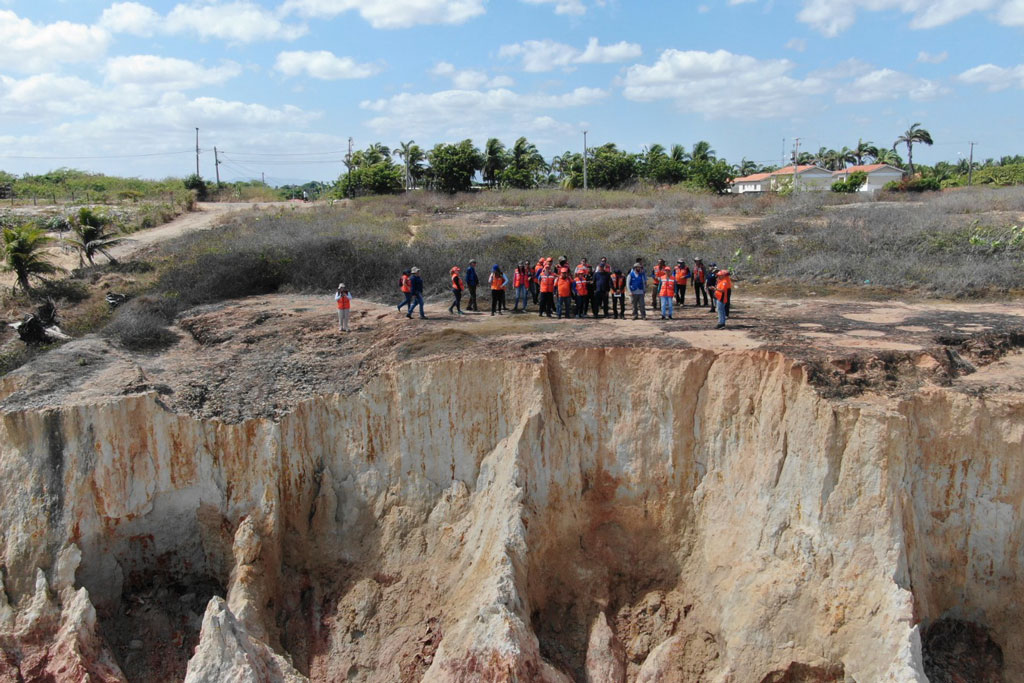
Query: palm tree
(24, 255)
(913, 134)
(90, 237)
(863, 149)
(746, 167)
(678, 154)
(495, 160)
(403, 152)
(702, 152)
(376, 153)
(844, 157)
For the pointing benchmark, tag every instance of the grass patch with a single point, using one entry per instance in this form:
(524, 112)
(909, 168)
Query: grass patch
(430, 343)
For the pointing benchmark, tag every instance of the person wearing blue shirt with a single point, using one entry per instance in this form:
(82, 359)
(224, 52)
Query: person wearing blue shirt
(472, 280)
(637, 285)
(417, 293)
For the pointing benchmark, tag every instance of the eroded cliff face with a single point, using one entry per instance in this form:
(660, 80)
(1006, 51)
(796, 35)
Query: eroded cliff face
(601, 514)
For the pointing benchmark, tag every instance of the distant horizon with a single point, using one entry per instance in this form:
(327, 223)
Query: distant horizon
(280, 85)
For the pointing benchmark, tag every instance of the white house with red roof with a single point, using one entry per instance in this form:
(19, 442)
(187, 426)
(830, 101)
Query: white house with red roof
(878, 175)
(801, 178)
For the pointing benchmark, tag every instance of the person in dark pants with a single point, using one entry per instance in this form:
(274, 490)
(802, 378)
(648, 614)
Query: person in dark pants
(417, 293)
(535, 280)
(618, 285)
(709, 285)
(456, 292)
(682, 273)
(405, 284)
(546, 282)
(472, 280)
(700, 276)
(656, 274)
(498, 282)
(563, 287)
(582, 290)
(602, 286)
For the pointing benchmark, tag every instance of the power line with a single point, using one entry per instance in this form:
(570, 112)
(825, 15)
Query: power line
(107, 156)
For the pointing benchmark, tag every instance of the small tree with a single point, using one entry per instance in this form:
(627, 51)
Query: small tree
(91, 234)
(24, 254)
(852, 184)
(195, 182)
(380, 178)
(712, 175)
(452, 167)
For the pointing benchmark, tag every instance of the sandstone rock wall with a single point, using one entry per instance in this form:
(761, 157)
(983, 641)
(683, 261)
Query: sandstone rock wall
(601, 514)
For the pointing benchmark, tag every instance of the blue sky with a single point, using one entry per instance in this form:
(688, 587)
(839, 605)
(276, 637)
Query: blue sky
(280, 85)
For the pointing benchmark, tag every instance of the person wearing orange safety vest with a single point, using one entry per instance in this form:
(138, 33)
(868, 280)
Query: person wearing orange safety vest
(618, 295)
(457, 288)
(498, 282)
(405, 284)
(582, 291)
(682, 273)
(666, 286)
(535, 280)
(656, 274)
(563, 287)
(521, 285)
(546, 283)
(700, 276)
(344, 301)
(723, 292)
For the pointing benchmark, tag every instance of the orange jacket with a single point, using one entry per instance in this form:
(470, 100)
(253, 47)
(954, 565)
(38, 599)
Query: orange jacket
(699, 274)
(581, 285)
(668, 286)
(456, 283)
(723, 290)
(682, 275)
(547, 282)
(618, 284)
(344, 302)
(405, 282)
(564, 287)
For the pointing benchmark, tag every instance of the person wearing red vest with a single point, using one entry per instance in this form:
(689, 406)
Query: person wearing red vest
(656, 274)
(563, 287)
(723, 293)
(546, 283)
(521, 285)
(682, 273)
(498, 282)
(344, 301)
(666, 286)
(618, 295)
(582, 295)
(405, 284)
(457, 288)
(700, 276)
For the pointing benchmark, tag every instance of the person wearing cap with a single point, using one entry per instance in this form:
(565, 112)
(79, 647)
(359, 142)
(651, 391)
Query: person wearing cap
(700, 276)
(723, 292)
(498, 282)
(472, 280)
(666, 286)
(344, 301)
(417, 293)
(457, 287)
(637, 282)
(682, 274)
(405, 284)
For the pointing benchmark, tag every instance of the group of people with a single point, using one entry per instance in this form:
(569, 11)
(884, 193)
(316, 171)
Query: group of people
(561, 290)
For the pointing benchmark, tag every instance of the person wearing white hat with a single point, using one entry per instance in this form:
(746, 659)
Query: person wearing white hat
(344, 301)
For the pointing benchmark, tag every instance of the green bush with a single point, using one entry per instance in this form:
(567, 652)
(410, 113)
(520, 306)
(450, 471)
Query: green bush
(852, 184)
(195, 183)
(383, 178)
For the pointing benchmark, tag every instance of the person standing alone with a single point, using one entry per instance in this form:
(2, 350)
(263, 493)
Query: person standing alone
(344, 300)
(456, 292)
(723, 292)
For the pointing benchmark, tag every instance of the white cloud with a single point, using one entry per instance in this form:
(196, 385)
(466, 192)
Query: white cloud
(130, 17)
(470, 79)
(235, 22)
(994, 77)
(545, 55)
(391, 13)
(46, 95)
(323, 65)
(887, 84)
(562, 6)
(722, 84)
(166, 73)
(30, 47)
(455, 114)
(1012, 13)
(929, 58)
(831, 17)
(798, 44)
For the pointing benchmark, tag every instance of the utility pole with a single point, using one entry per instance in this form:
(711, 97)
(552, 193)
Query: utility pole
(197, 153)
(584, 160)
(263, 177)
(796, 160)
(970, 165)
(348, 167)
(216, 163)
(782, 157)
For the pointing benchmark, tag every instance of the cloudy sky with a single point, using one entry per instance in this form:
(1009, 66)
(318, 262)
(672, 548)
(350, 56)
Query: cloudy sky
(280, 85)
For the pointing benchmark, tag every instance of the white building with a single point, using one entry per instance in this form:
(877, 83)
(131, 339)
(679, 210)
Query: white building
(878, 175)
(805, 178)
(758, 182)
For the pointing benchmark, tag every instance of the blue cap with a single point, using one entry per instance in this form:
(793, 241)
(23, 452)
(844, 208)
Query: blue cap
(495, 267)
